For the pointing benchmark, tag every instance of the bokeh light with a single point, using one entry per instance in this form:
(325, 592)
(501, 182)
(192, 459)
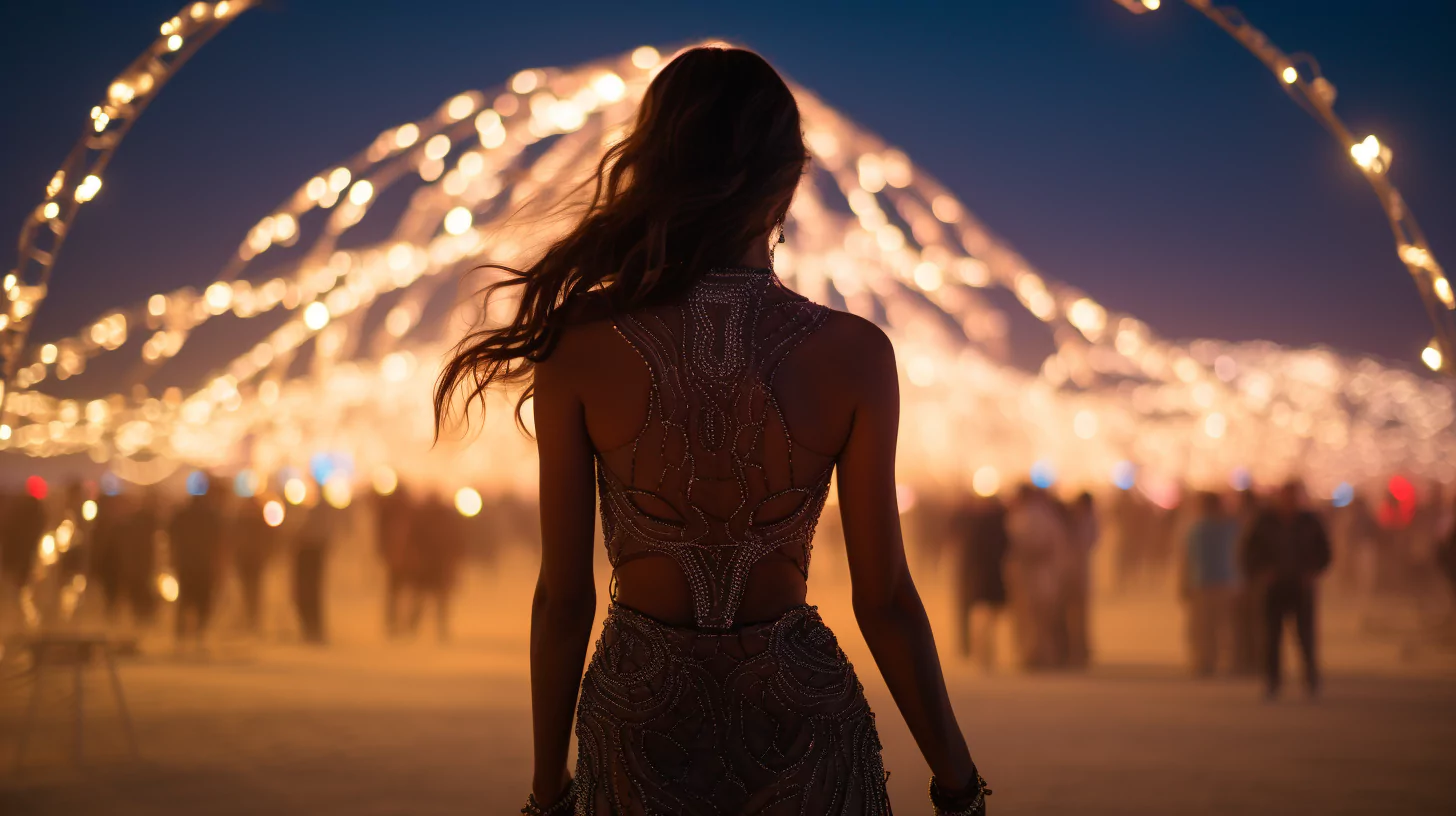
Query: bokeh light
(273, 513)
(468, 501)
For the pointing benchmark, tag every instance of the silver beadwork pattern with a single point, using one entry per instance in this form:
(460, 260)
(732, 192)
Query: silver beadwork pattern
(719, 718)
(712, 359)
(766, 719)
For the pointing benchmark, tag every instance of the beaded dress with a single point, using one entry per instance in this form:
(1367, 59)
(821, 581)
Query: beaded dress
(719, 717)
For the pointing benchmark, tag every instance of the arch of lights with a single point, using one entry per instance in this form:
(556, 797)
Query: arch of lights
(347, 369)
(1300, 77)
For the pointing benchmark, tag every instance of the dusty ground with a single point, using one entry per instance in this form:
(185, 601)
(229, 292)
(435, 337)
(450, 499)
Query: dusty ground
(365, 727)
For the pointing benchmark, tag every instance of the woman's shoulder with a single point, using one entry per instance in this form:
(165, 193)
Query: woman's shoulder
(587, 336)
(852, 341)
(857, 333)
(847, 357)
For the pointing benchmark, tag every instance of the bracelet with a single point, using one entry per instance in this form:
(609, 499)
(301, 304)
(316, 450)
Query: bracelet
(969, 803)
(563, 805)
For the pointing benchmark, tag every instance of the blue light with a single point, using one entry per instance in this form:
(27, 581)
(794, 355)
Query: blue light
(1344, 494)
(246, 483)
(110, 484)
(1124, 475)
(197, 483)
(1043, 475)
(323, 465)
(1240, 479)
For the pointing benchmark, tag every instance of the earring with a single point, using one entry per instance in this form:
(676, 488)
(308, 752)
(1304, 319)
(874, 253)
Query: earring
(781, 232)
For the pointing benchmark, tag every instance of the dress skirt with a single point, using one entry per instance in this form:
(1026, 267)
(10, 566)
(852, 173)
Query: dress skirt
(766, 719)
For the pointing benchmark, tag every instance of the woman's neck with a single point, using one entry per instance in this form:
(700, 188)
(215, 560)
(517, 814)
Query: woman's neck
(758, 255)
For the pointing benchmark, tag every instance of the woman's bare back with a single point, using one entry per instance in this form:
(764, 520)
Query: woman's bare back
(781, 467)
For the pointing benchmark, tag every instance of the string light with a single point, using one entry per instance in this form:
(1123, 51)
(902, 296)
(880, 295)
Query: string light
(1370, 154)
(338, 492)
(524, 82)
(457, 221)
(468, 502)
(316, 316)
(167, 587)
(88, 188)
(609, 86)
(1215, 425)
(295, 491)
(360, 193)
(1432, 357)
(646, 57)
(986, 481)
(1442, 288)
(385, 480)
(460, 107)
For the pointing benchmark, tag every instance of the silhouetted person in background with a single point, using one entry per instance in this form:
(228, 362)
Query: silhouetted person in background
(137, 546)
(1284, 553)
(980, 580)
(254, 543)
(1249, 605)
(1446, 555)
(1038, 535)
(75, 555)
(112, 514)
(1446, 547)
(435, 535)
(195, 533)
(394, 518)
(1211, 584)
(24, 525)
(1076, 575)
(309, 559)
(1130, 515)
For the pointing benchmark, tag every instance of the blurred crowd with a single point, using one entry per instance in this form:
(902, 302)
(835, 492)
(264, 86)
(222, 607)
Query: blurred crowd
(146, 557)
(1246, 567)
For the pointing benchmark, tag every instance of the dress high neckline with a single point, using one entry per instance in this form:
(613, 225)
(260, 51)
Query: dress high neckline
(741, 270)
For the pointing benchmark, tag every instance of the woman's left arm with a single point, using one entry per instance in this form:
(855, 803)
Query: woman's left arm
(565, 602)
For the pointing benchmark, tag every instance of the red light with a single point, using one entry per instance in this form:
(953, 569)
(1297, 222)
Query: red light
(1401, 488)
(1399, 508)
(36, 487)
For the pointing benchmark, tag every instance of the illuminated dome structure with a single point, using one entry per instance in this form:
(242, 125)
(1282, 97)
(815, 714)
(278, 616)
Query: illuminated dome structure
(361, 296)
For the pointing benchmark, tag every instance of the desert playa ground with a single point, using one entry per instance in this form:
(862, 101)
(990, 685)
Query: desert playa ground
(367, 727)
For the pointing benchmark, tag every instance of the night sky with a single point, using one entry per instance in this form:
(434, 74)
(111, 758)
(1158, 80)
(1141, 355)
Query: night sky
(1146, 159)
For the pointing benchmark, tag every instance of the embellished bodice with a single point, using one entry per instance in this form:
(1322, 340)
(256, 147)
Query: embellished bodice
(714, 478)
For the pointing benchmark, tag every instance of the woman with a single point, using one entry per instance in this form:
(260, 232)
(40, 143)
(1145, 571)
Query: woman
(709, 405)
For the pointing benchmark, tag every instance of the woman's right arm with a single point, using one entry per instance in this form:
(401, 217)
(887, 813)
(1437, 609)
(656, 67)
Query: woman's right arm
(565, 602)
(886, 603)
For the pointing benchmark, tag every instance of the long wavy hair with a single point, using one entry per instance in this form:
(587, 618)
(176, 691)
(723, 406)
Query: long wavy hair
(710, 165)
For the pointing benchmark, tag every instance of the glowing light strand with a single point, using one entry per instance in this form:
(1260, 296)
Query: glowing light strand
(80, 176)
(1301, 78)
